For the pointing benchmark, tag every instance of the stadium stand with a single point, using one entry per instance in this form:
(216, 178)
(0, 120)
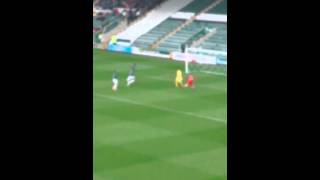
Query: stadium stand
(108, 14)
(152, 19)
(158, 30)
(186, 35)
(196, 6)
(152, 36)
(103, 4)
(217, 41)
(105, 23)
(192, 32)
(221, 8)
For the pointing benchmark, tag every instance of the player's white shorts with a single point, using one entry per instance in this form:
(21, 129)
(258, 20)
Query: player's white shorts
(130, 80)
(115, 81)
(115, 84)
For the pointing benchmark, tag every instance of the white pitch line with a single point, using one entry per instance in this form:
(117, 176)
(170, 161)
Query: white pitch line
(161, 108)
(214, 73)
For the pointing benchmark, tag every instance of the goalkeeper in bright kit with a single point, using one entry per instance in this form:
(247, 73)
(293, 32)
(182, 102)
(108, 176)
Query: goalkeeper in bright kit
(131, 77)
(179, 79)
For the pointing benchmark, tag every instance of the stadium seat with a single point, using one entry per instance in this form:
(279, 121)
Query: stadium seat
(159, 31)
(196, 6)
(185, 36)
(221, 8)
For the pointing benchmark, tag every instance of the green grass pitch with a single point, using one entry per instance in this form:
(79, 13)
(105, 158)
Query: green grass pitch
(153, 130)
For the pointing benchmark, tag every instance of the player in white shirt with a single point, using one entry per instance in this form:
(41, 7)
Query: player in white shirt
(131, 77)
(115, 81)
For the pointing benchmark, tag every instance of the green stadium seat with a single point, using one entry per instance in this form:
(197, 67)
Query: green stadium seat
(159, 31)
(197, 6)
(192, 32)
(217, 41)
(221, 8)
